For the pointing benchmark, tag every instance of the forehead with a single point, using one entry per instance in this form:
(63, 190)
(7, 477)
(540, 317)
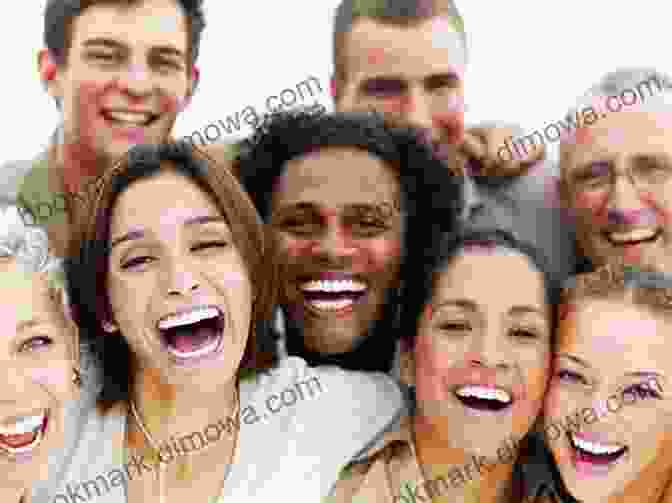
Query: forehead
(625, 133)
(336, 177)
(23, 294)
(416, 50)
(612, 334)
(143, 24)
(469, 275)
(145, 202)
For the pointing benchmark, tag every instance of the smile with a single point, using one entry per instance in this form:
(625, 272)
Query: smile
(332, 296)
(23, 434)
(632, 237)
(129, 119)
(595, 453)
(194, 334)
(484, 398)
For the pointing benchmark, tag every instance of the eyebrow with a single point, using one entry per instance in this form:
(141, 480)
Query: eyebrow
(114, 44)
(573, 358)
(138, 234)
(28, 324)
(472, 306)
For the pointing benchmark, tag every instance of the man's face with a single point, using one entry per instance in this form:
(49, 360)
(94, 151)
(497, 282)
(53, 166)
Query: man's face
(413, 74)
(126, 76)
(337, 220)
(618, 184)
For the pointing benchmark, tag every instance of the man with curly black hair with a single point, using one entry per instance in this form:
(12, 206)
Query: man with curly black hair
(342, 194)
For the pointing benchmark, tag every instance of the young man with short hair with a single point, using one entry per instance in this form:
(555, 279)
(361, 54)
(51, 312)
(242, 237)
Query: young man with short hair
(120, 71)
(406, 59)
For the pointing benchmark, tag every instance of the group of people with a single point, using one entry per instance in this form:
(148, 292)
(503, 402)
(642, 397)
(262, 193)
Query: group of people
(369, 305)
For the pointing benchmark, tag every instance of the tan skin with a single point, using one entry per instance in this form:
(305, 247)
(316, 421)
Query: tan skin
(415, 75)
(598, 354)
(513, 344)
(120, 59)
(177, 264)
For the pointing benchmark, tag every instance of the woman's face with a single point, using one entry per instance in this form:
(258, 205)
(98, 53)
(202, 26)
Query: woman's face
(482, 352)
(37, 356)
(336, 213)
(611, 370)
(179, 290)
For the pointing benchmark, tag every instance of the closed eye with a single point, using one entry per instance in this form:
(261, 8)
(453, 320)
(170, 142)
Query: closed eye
(136, 262)
(209, 244)
(453, 326)
(569, 376)
(642, 390)
(524, 333)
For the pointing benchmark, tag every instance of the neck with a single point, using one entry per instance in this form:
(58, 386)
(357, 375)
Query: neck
(485, 483)
(169, 410)
(79, 162)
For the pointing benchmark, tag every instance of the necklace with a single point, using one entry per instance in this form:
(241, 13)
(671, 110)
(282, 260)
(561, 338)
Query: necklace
(157, 451)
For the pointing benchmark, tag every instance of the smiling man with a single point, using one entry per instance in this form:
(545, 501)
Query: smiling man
(407, 60)
(119, 72)
(617, 170)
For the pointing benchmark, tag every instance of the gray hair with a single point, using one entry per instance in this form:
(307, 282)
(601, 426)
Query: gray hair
(26, 242)
(650, 89)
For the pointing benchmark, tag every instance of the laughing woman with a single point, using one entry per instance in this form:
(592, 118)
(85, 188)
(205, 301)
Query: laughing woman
(168, 282)
(612, 370)
(39, 356)
(479, 362)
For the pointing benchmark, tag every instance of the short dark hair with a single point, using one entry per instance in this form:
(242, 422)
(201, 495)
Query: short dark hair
(430, 195)
(393, 12)
(430, 255)
(60, 14)
(87, 265)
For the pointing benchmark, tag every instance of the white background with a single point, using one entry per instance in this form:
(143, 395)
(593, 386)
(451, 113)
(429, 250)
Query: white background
(529, 59)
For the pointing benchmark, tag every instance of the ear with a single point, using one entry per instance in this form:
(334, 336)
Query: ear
(49, 73)
(194, 80)
(333, 90)
(110, 327)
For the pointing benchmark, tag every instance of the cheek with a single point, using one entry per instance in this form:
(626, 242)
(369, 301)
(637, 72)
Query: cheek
(173, 104)
(555, 403)
(57, 377)
(378, 255)
(595, 205)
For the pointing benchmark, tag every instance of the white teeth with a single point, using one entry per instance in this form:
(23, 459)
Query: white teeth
(484, 393)
(635, 235)
(594, 447)
(24, 425)
(331, 305)
(188, 318)
(335, 286)
(138, 119)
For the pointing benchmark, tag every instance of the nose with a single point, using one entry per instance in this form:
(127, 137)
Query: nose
(335, 244)
(488, 350)
(179, 279)
(135, 80)
(417, 110)
(625, 203)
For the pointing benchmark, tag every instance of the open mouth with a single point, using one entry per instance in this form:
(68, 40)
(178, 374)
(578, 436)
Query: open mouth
(23, 434)
(595, 453)
(329, 296)
(129, 119)
(193, 334)
(633, 237)
(484, 398)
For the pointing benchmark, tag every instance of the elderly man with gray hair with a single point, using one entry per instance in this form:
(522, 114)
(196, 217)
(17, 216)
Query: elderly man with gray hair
(616, 169)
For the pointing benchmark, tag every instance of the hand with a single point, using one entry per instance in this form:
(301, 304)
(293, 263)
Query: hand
(483, 144)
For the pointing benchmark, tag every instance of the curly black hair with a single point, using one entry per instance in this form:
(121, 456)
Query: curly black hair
(430, 196)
